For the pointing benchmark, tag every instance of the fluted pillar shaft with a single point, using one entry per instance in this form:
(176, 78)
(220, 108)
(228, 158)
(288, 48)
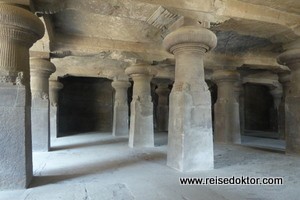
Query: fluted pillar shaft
(291, 58)
(54, 87)
(162, 110)
(141, 132)
(120, 119)
(190, 145)
(19, 29)
(227, 116)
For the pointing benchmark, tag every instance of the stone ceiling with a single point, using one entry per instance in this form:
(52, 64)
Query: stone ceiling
(88, 38)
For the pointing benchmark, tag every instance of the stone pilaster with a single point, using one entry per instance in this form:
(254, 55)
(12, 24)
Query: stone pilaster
(239, 93)
(54, 87)
(277, 95)
(190, 144)
(120, 120)
(284, 79)
(40, 71)
(19, 29)
(162, 109)
(227, 116)
(291, 58)
(141, 133)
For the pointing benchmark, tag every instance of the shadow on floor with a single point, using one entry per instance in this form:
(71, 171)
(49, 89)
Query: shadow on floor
(85, 169)
(90, 143)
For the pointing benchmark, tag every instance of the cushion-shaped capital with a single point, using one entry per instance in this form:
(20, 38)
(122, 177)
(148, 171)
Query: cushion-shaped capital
(41, 66)
(191, 35)
(20, 24)
(289, 57)
(140, 69)
(120, 84)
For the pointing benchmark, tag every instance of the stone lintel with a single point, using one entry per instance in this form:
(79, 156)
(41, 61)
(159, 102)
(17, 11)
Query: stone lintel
(225, 75)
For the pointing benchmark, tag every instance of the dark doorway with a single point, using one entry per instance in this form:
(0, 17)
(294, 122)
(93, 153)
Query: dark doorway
(86, 104)
(259, 111)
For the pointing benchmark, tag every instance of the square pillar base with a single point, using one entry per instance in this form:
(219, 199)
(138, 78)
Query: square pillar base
(15, 138)
(141, 124)
(190, 142)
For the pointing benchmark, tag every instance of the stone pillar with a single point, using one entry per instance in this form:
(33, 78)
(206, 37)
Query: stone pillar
(162, 110)
(239, 93)
(54, 87)
(19, 29)
(284, 79)
(227, 116)
(277, 96)
(141, 133)
(291, 58)
(40, 71)
(120, 121)
(190, 144)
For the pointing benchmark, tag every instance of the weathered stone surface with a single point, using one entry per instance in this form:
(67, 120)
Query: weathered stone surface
(15, 138)
(141, 133)
(190, 145)
(291, 58)
(19, 29)
(40, 71)
(120, 121)
(227, 115)
(284, 79)
(162, 109)
(54, 87)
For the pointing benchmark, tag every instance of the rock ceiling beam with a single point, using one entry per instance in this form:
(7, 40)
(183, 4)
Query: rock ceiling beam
(234, 9)
(81, 46)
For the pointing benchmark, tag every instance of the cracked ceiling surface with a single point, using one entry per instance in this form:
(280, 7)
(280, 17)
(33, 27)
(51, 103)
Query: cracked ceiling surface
(85, 38)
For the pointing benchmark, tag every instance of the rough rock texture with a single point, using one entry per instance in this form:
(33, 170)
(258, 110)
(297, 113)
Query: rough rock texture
(227, 116)
(15, 138)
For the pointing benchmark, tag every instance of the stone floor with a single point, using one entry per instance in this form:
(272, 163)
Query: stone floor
(96, 166)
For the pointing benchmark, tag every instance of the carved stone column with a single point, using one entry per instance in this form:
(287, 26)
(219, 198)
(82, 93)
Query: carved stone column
(291, 58)
(141, 133)
(54, 87)
(40, 71)
(276, 93)
(190, 144)
(120, 121)
(19, 29)
(239, 93)
(284, 79)
(162, 110)
(227, 116)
